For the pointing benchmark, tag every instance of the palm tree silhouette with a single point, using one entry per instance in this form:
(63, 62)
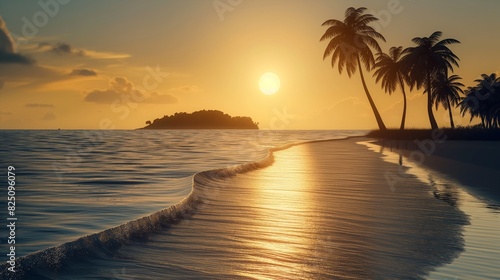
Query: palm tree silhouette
(483, 101)
(488, 88)
(350, 44)
(488, 83)
(427, 59)
(389, 70)
(447, 91)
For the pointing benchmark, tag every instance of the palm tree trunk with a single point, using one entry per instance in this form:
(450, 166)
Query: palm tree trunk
(451, 114)
(380, 122)
(432, 120)
(404, 104)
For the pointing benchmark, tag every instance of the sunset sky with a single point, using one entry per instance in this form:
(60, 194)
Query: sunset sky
(72, 63)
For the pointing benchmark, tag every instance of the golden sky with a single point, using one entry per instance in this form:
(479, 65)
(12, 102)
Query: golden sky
(116, 64)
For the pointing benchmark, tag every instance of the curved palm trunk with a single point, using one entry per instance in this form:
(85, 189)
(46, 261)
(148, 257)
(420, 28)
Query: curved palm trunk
(403, 120)
(451, 114)
(380, 122)
(432, 120)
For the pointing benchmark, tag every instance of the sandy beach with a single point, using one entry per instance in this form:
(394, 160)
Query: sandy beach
(321, 210)
(472, 163)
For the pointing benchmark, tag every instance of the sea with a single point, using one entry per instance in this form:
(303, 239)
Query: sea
(88, 201)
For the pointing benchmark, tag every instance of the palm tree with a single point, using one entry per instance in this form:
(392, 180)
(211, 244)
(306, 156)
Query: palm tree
(389, 70)
(424, 61)
(483, 101)
(487, 83)
(490, 87)
(471, 104)
(350, 43)
(446, 91)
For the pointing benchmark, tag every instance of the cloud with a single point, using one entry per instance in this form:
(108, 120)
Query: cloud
(83, 72)
(121, 84)
(62, 48)
(30, 76)
(105, 55)
(186, 89)
(103, 96)
(122, 90)
(50, 116)
(39, 105)
(5, 113)
(156, 98)
(14, 58)
(8, 48)
(6, 41)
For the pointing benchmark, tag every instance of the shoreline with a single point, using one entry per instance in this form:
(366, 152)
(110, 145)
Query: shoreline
(481, 242)
(322, 209)
(113, 238)
(205, 195)
(474, 164)
(456, 134)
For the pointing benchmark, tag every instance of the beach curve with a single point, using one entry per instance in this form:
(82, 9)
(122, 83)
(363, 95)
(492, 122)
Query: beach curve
(295, 219)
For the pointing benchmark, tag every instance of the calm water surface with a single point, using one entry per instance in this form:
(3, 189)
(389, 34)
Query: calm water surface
(73, 183)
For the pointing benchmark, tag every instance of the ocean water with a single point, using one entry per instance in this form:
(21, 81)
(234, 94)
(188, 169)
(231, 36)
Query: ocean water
(101, 202)
(74, 183)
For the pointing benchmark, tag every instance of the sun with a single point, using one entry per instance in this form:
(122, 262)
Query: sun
(269, 83)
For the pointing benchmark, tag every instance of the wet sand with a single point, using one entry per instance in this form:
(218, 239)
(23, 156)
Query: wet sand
(475, 164)
(461, 173)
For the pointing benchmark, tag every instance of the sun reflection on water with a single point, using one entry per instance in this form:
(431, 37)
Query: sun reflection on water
(282, 207)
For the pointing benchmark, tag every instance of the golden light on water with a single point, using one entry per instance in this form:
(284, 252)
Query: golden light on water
(321, 211)
(282, 210)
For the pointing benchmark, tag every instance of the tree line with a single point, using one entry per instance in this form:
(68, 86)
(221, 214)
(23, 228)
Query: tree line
(204, 119)
(427, 65)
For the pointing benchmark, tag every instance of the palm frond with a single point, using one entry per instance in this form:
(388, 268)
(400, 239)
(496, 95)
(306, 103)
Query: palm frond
(435, 36)
(332, 22)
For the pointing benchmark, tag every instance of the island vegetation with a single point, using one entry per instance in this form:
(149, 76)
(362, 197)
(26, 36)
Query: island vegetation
(204, 119)
(428, 65)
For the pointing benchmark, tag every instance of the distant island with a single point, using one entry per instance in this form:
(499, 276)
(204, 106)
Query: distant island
(205, 119)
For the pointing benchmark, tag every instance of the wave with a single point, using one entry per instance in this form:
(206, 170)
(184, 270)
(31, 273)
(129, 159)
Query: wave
(106, 242)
